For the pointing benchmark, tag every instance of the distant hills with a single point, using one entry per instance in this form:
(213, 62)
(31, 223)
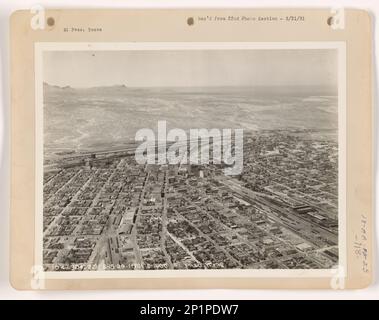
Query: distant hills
(47, 86)
(255, 90)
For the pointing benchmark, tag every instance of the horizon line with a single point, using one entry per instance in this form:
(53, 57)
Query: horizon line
(196, 86)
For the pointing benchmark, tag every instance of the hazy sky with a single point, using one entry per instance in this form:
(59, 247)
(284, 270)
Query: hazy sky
(191, 68)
